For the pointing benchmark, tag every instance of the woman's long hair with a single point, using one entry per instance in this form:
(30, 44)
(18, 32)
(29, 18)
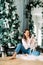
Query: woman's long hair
(24, 34)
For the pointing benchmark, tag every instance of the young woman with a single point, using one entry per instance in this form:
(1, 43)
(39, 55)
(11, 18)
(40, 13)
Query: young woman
(27, 46)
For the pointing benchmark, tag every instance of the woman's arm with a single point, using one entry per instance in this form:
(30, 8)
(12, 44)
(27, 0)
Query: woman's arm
(33, 43)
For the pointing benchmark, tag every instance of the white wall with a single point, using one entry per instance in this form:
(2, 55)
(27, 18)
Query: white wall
(37, 18)
(19, 6)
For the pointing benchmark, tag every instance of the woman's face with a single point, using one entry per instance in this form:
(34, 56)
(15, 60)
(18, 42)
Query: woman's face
(27, 33)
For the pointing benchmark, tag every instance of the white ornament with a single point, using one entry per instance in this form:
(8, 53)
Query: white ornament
(5, 33)
(1, 12)
(13, 25)
(13, 12)
(6, 23)
(4, 39)
(11, 34)
(13, 5)
(13, 17)
(7, 11)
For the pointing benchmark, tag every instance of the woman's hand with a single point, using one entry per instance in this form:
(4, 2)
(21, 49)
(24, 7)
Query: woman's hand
(32, 44)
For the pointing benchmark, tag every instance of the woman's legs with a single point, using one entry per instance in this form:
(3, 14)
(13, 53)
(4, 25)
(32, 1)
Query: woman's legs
(16, 51)
(18, 48)
(36, 53)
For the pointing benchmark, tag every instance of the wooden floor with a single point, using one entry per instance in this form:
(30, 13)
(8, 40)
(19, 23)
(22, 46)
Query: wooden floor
(6, 61)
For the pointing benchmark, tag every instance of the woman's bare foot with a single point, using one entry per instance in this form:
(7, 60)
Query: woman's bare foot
(26, 54)
(13, 57)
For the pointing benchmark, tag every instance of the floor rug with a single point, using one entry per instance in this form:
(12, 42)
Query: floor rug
(30, 57)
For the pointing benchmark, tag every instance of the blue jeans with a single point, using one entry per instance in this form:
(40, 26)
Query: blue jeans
(36, 53)
(21, 47)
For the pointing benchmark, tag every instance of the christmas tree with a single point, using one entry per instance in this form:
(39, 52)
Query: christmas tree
(9, 22)
(28, 16)
(31, 4)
